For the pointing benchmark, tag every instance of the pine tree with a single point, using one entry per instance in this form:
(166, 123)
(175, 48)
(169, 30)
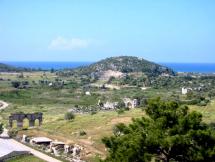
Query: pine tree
(169, 133)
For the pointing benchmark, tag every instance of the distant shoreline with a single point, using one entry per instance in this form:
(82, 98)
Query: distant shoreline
(178, 67)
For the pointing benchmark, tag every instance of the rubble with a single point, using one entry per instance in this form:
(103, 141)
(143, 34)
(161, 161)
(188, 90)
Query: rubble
(70, 152)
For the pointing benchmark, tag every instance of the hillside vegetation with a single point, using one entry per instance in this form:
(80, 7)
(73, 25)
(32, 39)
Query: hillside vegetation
(9, 68)
(125, 64)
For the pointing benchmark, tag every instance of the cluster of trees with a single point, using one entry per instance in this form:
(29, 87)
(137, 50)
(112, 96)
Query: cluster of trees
(9, 68)
(169, 133)
(57, 84)
(196, 99)
(20, 84)
(135, 81)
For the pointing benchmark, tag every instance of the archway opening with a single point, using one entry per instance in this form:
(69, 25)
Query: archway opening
(37, 123)
(129, 105)
(25, 123)
(14, 124)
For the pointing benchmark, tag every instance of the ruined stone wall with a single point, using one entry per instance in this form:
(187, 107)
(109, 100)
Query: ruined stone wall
(19, 117)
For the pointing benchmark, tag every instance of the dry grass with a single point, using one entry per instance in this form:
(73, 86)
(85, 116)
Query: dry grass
(96, 126)
(208, 111)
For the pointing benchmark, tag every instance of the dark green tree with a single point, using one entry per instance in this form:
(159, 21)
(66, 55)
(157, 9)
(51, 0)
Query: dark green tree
(16, 84)
(168, 133)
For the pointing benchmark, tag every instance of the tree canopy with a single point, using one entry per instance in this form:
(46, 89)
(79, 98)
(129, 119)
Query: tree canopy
(169, 133)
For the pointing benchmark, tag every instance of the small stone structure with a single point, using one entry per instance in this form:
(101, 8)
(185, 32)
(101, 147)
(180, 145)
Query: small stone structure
(40, 141)
(19, 117)
(184, 90)
(129, 103)
(110, 105)
(71, 152)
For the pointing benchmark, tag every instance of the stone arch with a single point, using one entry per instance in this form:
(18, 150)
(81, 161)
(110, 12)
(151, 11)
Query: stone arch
(20, 117)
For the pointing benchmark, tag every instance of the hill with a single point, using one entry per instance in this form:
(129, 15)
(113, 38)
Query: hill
(9, 68)
(125, 64)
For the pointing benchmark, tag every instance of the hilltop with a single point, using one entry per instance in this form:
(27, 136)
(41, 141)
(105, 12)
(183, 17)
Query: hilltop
(125, 64)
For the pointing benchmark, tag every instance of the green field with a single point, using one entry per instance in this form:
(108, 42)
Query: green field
(25, 158)
(208, 111)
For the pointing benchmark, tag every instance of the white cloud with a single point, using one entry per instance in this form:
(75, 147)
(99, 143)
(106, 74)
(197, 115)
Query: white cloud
(61, 43)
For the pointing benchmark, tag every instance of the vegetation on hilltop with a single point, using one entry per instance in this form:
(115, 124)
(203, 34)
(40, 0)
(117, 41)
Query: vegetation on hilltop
(125, 64)
(7, 68)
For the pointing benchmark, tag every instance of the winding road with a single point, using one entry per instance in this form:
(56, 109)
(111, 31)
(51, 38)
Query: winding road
(8, 145)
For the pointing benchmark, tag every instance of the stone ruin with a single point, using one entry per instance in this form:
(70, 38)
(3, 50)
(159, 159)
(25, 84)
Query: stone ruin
(19, 117)
(129, 103)
(107, 106)
(70, 152)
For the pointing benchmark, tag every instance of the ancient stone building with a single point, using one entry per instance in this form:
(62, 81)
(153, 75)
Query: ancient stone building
(129, 103)
(19, 117)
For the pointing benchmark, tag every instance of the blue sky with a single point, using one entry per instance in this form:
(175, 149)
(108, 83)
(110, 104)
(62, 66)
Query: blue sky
(89, 30)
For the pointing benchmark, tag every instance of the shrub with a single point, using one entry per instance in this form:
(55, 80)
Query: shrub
(93, 112)
(69, 116)
(120, 111)
(82, 133)
(202, 103)
(12, 132)
(16, 84)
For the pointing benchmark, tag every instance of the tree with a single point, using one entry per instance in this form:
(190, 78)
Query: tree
(169, 133)
(52, 70)
(121, 105)
(16, 84)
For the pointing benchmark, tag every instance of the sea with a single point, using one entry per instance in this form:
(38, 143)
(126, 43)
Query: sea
(178, 67)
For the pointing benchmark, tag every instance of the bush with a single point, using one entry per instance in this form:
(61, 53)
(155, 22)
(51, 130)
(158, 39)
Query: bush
(202, 103)
(69, 116)
(120, 111)
(93, 112)
(82, 133)
(12, 132)
(121, 105)
(16, 84)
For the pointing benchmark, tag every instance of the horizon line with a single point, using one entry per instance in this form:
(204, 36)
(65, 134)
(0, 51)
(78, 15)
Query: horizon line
(37, 61)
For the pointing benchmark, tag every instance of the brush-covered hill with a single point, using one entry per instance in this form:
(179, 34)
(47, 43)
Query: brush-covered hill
(9, 68)
(125, 64)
